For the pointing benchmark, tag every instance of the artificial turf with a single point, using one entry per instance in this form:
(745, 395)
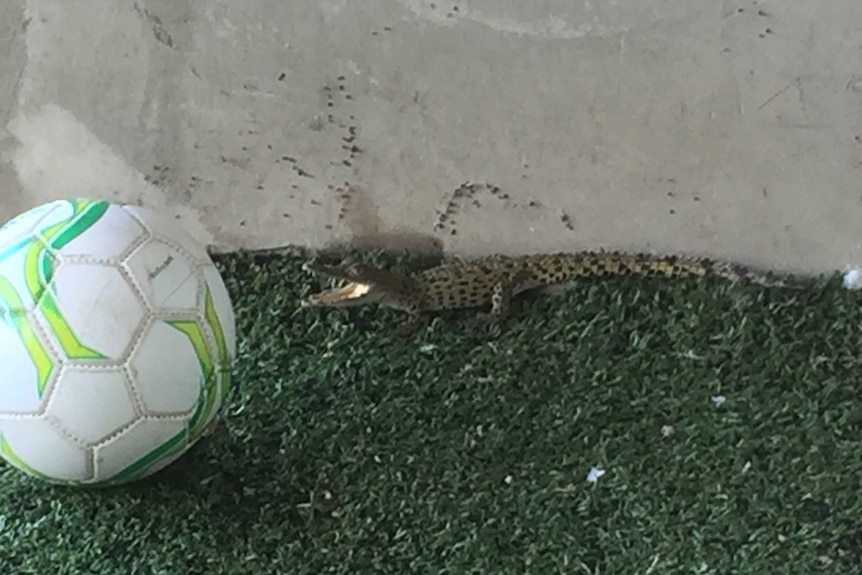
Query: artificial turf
(349, 449)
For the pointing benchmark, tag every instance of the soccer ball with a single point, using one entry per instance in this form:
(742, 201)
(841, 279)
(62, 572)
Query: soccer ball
(117, 335)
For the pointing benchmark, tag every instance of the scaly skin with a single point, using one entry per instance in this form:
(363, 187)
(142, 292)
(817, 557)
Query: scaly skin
(495, 279)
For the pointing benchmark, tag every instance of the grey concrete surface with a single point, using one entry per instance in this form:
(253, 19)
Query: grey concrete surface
(731, 129)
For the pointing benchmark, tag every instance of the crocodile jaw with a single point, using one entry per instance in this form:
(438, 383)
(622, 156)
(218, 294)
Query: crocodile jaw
(350, 294)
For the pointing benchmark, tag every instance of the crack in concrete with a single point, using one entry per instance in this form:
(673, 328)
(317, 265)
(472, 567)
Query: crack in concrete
(159, 30)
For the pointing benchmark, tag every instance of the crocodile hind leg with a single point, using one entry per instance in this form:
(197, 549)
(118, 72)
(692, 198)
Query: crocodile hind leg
(500, 305)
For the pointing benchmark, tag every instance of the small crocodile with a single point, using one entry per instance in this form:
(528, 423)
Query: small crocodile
(495, 279)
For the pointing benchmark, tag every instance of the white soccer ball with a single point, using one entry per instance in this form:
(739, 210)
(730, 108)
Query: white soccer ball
(117, 335)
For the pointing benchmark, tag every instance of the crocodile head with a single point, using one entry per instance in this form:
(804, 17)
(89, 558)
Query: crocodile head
(360, 284)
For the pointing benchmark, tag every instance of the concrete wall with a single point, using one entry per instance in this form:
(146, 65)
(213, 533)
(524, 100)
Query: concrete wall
(732, 129)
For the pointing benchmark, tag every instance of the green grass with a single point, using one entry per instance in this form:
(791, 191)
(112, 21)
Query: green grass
(350, 450)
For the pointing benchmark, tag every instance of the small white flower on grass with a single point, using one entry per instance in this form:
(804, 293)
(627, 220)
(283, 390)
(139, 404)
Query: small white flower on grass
(717, 400)
(594, 474)
(853, 278)
(509, 480)
(667, 431)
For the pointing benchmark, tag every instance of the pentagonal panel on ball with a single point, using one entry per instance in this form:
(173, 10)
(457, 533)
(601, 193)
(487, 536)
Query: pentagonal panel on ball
(140, 449)
(168, 229)
(92, 403)
(27, 364)
(93, 311)
(166, 369)
(166, 276)
(105, 231)
(36, 445)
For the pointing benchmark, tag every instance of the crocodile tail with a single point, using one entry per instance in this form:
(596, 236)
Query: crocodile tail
(748, 276)
(709, 268)
(617, 263)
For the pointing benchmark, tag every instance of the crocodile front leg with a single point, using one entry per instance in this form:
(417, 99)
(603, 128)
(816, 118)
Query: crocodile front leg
(410, 325)
(413, 309)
